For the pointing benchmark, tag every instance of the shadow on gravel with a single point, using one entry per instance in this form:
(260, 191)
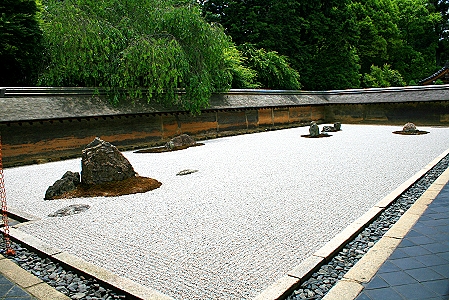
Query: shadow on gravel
(132, 185)
(321, 135)
(165, 149)
(417, 132)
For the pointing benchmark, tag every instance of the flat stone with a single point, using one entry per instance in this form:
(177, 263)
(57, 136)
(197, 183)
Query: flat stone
(344, 289)
(367, 267)
(306, 267)
(278, 289)
(78, 296)
(186, 172)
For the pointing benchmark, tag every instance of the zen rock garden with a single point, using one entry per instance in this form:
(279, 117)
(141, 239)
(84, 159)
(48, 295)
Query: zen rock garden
(106, 172)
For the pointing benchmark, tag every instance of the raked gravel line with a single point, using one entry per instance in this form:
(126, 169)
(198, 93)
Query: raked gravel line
(259, 205)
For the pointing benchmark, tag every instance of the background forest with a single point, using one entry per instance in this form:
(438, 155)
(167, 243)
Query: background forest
(154, 47)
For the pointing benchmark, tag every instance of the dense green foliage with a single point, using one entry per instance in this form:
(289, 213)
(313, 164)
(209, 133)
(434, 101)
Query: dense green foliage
(242, 76)
(398, 33)
(143, 47)
(442, 30)
(334, 44)
(305, 31)
(382, 77)
(133, 48)
(20, 38)
(272, 70)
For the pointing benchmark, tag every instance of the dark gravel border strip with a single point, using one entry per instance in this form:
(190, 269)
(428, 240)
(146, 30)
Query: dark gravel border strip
(61, 277)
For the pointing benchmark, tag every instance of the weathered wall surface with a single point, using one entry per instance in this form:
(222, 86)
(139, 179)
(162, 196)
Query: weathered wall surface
(39, 141)
(420, 113)
(42, 126)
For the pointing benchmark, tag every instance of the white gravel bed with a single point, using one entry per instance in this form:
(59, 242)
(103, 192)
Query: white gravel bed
(259, 205)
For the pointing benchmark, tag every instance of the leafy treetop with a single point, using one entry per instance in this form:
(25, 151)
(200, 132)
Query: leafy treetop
(135, 48)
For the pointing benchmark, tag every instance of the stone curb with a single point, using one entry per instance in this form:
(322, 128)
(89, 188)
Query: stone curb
(364, 270)
(347, 288)
(28, 282)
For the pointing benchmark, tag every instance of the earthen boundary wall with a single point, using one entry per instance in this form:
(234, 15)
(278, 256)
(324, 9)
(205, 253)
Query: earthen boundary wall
(47, 124)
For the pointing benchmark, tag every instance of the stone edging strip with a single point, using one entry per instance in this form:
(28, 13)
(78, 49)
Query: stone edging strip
(351, 282)
(28, 282)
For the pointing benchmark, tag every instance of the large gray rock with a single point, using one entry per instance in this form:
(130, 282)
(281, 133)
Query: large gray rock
(102, 162)
(409, 127)
(181, 141)
(68, 182)
(314, 130)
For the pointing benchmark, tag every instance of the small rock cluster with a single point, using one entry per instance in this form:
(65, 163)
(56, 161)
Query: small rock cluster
(410, 129)
(180, 142)
(101, 162)
(314, 130)
(328, 275)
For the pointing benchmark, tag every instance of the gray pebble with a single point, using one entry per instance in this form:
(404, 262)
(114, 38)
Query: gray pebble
(78, 296)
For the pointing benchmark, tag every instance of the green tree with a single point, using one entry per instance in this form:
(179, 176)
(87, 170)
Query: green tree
(442, 30)
(331, 61)
(382, 77)
(331, 43)
(142, 47)
(20, 37)
(396, 32)
(251, 23)
(416, 57)
(377, 31)
(243, 77)
(273, 71)
(309, 33)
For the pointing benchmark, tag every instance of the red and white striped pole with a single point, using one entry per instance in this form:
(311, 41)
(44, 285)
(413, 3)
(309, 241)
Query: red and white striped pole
(9, 250)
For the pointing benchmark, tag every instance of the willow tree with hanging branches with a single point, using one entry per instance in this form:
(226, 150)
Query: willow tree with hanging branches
(135, 48)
